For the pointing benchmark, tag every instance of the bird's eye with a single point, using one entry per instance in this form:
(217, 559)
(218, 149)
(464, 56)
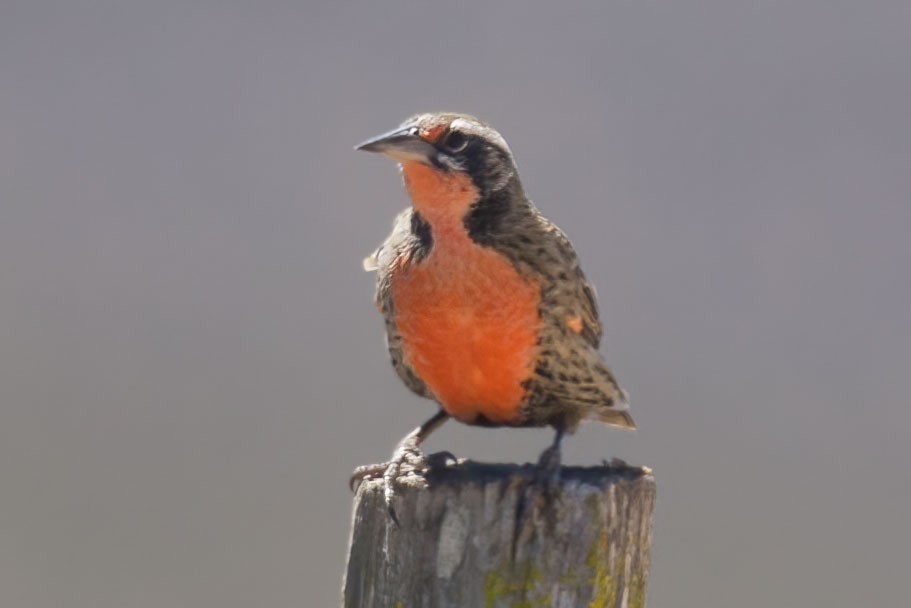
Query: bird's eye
(455, 141)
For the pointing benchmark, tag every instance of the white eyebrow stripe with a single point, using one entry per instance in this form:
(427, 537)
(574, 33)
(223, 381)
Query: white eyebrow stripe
(468, 126)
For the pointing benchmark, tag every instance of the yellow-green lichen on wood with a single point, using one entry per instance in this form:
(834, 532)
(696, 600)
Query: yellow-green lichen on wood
(603, 584)
(516, 586)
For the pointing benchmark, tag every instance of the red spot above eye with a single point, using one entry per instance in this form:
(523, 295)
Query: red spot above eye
(432, 134)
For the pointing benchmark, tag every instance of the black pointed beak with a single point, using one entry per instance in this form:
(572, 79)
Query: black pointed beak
(403, 144)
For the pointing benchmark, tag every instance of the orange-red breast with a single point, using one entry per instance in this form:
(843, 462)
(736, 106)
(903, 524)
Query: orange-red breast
(487, 310)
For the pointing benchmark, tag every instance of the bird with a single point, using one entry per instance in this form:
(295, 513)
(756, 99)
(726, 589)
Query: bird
(487, 311)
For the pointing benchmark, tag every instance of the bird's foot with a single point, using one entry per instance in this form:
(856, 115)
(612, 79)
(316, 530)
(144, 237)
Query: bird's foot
(408, 461)
(550, 458)
(543, 489)
(547, 473)
(431, 462)
(405, 460)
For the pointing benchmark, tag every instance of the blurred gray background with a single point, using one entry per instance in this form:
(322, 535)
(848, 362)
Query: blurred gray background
(191, 364)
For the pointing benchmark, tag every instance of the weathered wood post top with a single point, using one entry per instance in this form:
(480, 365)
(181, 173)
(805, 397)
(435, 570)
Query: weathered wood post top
(491, 535)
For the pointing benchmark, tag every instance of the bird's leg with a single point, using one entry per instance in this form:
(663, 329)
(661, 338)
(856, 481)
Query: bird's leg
(543, 490)
(549, 462)
(406, 458)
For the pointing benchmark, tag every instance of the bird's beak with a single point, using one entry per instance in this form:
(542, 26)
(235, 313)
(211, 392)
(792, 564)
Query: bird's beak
(403, 145)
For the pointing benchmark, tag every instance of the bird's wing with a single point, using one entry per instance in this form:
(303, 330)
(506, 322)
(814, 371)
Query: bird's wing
(401, 246)
(397, 242)
(568, 295)
(569, 370)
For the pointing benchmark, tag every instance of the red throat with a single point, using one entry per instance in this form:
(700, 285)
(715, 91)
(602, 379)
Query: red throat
(441, 197)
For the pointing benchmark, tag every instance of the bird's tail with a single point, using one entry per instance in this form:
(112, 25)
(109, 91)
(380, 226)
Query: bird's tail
(619, 418)
(618, 412)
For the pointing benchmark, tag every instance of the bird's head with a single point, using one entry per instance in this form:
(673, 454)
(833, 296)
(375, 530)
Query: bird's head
(452, 148)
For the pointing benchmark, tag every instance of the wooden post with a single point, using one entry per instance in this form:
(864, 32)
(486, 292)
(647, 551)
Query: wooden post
(488, 535)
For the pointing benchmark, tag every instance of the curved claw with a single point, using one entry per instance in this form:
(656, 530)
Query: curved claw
(407, 459)
(364, 472)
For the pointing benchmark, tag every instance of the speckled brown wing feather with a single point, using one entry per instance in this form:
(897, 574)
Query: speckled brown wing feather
(573, 294)
(404, 245)
(570, 380)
